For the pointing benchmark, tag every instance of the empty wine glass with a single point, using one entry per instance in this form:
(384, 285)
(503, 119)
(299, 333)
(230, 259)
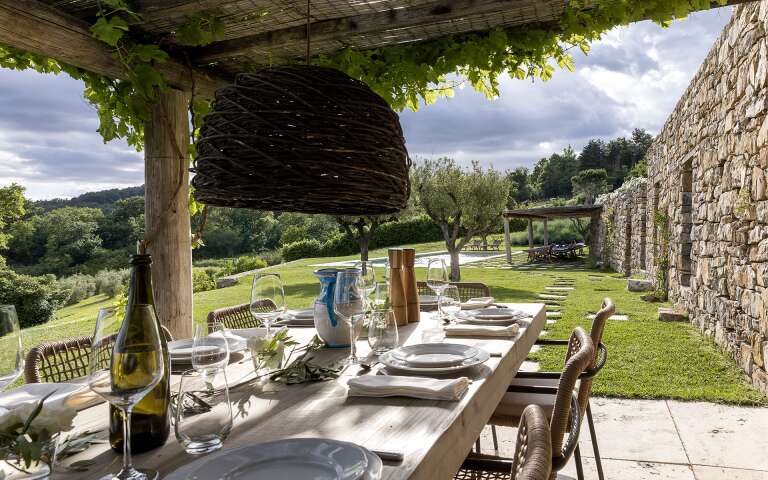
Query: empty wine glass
(203, 411)
(367, 278)
(450, 302)
(11, 352)
(209, 352)
(348, 305)
(437, 277)
(126, 363)
(267, 298)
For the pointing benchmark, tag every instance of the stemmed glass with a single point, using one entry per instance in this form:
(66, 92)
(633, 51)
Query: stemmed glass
(11, 352)
(348, 305)
(126, 363)
(368, 280)
(437, 278)
(267, 298)
(209, 352)
(450, 302)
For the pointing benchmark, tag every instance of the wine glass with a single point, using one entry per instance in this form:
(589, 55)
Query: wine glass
(267, 298)
(11, 352)
(368, 278)
(437, 277)
(450, 302)
(348, 305)
(126, 363)
(210, 352)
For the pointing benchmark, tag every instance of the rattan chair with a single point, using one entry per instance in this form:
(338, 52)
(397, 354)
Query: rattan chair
(62, 360)
(564, 411)
(585, 384)
(239, 316)
(467, 290)
(533, 451)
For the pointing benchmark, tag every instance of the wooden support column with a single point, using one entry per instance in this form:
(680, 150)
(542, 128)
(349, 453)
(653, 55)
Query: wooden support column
(507, 246)
(530, 233)
(167, 224)
(546, 233)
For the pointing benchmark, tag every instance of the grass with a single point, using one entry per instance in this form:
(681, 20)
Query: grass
(646, 358)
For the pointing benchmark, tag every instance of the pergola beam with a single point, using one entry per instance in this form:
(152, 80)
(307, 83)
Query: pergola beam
(35, 27)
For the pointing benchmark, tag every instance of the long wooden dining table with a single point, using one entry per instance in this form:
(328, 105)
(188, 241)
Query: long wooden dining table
(434, 436)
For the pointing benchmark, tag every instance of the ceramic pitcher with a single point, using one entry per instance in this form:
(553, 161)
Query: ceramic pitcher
(333, 331)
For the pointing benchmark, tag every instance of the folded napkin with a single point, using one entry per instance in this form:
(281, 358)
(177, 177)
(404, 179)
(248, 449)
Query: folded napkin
(415, 387)
(469, 330)
(476, 303)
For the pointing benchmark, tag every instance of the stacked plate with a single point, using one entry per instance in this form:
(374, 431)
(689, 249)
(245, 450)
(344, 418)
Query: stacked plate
(492, 316)
(428, 300)
(299, 318)
(180, 351)
(296, 458)
(431, 358)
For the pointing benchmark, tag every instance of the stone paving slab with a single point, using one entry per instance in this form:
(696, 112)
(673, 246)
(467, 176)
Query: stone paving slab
(548, 296)
(629, 470)
(720, 473)
(559, 289)
(620, 317)
(554, 314)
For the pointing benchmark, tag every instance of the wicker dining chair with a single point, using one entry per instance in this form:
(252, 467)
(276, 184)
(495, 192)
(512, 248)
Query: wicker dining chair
(467, 290)
(533, 451)
(239, 316)
(564, 412)
(585, 383)
(62, 360)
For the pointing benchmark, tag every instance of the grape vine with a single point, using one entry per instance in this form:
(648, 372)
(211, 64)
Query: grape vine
(405, 75)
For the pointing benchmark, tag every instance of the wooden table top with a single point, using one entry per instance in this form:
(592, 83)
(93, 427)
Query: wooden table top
(435, 436)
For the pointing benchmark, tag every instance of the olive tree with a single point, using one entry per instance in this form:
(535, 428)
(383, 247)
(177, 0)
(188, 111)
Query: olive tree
(464, 202)
(362, 228)
(588, 184)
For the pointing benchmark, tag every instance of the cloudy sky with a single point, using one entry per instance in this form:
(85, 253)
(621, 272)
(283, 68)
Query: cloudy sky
(631, 79)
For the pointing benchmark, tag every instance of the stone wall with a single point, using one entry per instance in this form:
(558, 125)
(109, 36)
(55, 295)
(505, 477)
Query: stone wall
(708, 170)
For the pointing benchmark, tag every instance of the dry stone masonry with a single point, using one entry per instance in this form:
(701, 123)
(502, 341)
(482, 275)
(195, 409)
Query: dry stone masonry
(704, 207)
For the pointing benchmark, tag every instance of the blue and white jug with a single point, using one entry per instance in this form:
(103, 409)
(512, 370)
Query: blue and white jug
(333, 331)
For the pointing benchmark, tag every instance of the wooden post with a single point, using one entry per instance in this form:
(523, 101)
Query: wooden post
(507, 246)
(546, 234)
(166, 211)
(530, 233)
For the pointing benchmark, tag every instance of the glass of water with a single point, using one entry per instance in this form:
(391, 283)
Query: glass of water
(382, 331)
(450, 302)
(203, 417)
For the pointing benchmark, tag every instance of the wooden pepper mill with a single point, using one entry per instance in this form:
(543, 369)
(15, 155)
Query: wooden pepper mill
(409, 284)
(396, 292)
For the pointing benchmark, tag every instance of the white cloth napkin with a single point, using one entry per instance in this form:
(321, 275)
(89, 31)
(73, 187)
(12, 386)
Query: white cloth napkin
(476, 303)
(401, 386)
(469, 330)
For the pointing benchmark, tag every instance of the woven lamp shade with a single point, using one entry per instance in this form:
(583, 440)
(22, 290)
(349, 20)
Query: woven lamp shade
(302, 139)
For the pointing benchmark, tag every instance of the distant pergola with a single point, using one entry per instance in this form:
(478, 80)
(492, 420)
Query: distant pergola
(545, 214)
(256, 33)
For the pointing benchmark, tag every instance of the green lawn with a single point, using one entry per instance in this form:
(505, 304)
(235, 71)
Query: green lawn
(646, 358)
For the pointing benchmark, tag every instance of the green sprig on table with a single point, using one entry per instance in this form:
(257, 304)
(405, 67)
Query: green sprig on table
(302, 370)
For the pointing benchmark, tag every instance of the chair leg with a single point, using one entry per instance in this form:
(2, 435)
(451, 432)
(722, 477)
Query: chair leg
(495, 439)
(579, 467)
(477, 445)
(593, 436)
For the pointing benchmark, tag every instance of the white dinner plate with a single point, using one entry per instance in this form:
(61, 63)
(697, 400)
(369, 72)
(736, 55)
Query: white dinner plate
(290, 459)
(306, 314)
(32, 392)
(390, 361)
(431, 355)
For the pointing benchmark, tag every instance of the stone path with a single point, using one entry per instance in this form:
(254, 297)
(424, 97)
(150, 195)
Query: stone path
(667, 440)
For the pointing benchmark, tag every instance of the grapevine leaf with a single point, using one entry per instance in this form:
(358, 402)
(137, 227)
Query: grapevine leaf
(109, 31)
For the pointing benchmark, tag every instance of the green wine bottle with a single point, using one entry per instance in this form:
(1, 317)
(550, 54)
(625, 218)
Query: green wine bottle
(150, 422)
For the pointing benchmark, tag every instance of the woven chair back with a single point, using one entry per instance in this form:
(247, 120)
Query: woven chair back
(467, 290)
(64, 360)
(239, 316)
(533, 449)
(598, 327)
(577, 359)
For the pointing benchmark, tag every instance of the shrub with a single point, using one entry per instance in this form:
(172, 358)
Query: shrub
(559, 230)
(419, 229)
(80, 286)
(339, 245)
(243, 264)
(36, 298)
(272, 257)
(302, 249)
(109, 282)
(203, 279)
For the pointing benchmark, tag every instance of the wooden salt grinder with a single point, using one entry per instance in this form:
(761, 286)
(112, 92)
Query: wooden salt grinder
(409, 284)
(396, 292)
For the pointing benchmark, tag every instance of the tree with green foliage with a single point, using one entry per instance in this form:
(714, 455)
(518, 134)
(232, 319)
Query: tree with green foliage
(552, 175)
(123, 226)
(592, 155)
(362, 229)
(12, 208)
(520, 187)
(588, 184)
(463, 202)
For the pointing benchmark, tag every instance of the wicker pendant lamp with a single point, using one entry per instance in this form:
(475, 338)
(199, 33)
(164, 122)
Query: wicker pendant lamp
(302, 138)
